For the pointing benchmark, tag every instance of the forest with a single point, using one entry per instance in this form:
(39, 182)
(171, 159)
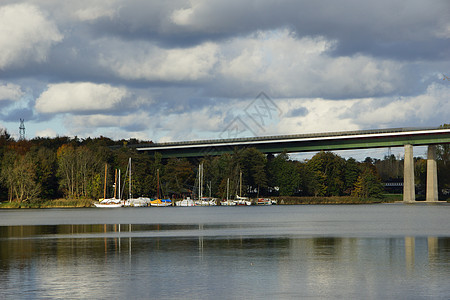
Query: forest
(62, 167)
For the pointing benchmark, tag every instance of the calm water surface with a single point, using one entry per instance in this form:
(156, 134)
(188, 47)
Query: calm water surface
(386, 251)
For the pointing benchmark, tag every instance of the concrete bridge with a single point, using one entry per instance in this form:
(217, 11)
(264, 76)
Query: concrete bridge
(363, 139)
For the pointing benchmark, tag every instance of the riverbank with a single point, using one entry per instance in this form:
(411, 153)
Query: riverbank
(281, 200)
(57, 203)
(388, 198)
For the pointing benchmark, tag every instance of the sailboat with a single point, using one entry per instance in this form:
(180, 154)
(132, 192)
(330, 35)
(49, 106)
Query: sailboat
(239, 199)
(188, 202)
(185, 202)
(228, 202)
(202, 201)
(160, 202)
(110, 202)
(135, 202)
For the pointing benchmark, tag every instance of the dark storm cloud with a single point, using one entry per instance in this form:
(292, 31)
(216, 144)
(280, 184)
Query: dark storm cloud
(397, 29)
(15, 114)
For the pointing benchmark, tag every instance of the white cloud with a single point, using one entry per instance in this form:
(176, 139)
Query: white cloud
(104, 120)
(432, 106)
(145, 61)
(79, 97)
(10, 91)
(93, 10)
(275, 61)
(25, 35)
(182, 16)
(88, 125)
(48, 132)
(193, 125)
(320, 115)
(290, 67)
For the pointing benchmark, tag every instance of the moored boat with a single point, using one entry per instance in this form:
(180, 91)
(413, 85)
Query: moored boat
(138, 202)
(109, 203)
(161, 202)
(205, 201)
(264, 201)
(242, 201)
(227, 203)
(185, 202)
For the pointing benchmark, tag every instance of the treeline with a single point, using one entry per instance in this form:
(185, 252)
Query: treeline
(51, 168)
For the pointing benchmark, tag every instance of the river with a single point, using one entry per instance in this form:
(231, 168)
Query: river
(381, 251)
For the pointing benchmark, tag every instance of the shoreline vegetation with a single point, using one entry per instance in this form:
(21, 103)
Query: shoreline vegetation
(84, 203)
(73, 172)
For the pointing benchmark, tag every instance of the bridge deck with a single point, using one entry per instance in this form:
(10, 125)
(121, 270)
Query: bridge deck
(306, 142)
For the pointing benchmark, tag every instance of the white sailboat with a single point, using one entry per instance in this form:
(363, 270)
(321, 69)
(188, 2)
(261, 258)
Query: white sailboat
(110, 202)
(239, 199)
(228, 202)
(203, 201)
(185, 202)
(135, 202)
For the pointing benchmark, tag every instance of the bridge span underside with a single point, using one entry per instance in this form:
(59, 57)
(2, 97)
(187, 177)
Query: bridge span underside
(328, 142)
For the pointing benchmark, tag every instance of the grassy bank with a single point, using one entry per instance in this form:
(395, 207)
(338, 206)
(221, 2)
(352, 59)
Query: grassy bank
(57, 203)
(336, 200)
(60, 203)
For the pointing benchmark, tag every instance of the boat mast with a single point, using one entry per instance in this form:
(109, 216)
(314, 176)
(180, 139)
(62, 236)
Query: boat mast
(201, 181)
(119, 186)
(129, 184)
(157, 183)
(228, 187)
(199, 184)
(240, 184)
(115, 184)
(104, 189)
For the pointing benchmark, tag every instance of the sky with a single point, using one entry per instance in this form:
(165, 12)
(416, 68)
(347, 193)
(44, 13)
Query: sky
(188, 70)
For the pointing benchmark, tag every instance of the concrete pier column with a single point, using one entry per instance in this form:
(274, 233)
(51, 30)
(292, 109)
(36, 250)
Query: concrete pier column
(432, 183)
(409, 194)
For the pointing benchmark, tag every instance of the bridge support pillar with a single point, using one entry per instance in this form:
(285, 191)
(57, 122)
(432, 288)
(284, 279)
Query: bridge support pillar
(432, 182)
(409, 194)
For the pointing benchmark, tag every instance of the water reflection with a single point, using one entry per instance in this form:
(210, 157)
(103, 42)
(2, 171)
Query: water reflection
(119, 260)
(409, 253)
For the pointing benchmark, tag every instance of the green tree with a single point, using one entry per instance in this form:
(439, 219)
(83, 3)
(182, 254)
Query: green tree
(368, 184)
(351, 174)
(46, 168)
(223, 168)
(178, 175)
(420, 173)
(284, 174)
(327, 172)
(19, 175)
(252, 165)
(5, 140)
(77, 170)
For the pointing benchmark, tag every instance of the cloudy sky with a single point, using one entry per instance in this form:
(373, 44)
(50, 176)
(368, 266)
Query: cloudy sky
(185, 70)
